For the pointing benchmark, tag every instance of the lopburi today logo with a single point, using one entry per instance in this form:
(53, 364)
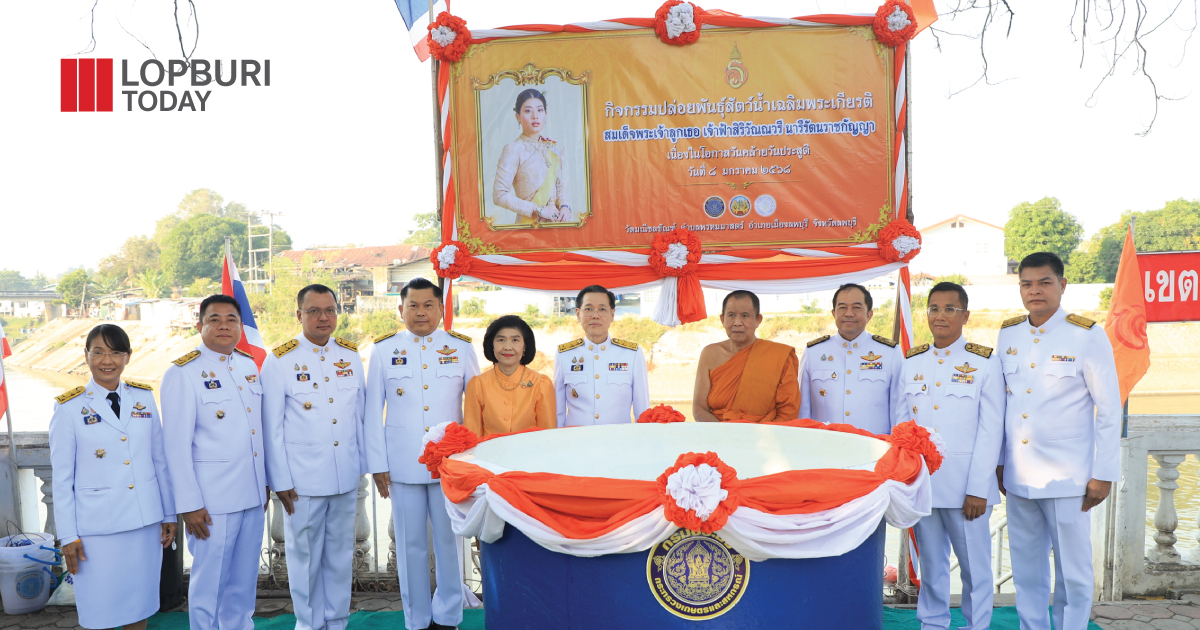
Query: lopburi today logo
(88, 85)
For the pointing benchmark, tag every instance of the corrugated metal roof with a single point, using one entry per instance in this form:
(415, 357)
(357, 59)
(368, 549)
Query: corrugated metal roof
(377, 256)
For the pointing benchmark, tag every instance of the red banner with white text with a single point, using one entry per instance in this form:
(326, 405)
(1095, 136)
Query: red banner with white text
(1171, 283)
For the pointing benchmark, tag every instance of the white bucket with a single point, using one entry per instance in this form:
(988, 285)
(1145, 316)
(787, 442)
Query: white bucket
(25, 577)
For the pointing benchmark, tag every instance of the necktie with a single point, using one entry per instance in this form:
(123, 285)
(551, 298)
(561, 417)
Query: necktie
(114, 401)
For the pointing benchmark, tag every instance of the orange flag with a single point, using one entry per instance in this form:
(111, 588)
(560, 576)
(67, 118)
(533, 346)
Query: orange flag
(925, 13)
(1126, 323)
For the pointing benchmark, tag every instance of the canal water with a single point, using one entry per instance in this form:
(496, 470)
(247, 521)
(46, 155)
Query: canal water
(31, 397)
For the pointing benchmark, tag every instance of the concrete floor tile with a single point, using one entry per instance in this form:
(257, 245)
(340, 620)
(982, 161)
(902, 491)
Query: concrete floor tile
(1111, 612)
(1170, 624)
(1152, 611)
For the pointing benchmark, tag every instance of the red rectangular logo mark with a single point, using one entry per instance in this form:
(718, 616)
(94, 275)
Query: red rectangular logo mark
(86, 85)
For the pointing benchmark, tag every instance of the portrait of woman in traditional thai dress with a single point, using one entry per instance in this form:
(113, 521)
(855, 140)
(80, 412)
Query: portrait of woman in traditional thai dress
(529, 173)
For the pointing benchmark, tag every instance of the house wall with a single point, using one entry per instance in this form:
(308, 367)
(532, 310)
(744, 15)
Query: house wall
(972, 250)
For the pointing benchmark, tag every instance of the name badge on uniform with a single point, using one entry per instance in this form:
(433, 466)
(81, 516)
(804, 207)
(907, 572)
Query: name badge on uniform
(618, 367)
(213, 384)
(89, 415)
(344, 373)
(1062, 357)
(399, 360)
(576, 368)
(139, 411)
(447, 360)
(302, 377)
(871, 365)
(251, 378)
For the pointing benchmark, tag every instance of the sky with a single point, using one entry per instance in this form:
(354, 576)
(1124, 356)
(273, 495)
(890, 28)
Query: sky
(341, 142)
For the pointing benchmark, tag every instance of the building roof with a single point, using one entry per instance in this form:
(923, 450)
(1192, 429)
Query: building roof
(376, 256)
(961, 217)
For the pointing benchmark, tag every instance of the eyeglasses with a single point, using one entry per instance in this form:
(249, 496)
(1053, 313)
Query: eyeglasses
(950, 311)
(316, 312)
(96, 354)
(603, 310)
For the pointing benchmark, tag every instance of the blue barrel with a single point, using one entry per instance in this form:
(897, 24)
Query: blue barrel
(529, 587)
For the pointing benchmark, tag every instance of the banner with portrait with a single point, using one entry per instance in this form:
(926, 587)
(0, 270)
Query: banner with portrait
(756, 137)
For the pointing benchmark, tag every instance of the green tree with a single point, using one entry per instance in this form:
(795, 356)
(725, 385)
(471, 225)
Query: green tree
(956, 278)
(72, 286)
(39, 281)
(195, 247)
(641, 330)
(163, 227)
(202, 287)
(428, 232)
(137, 254)
(1174, 227)
(13, 281)
(1084, 268)
(202, 201)
(1042, 226)
(154, 284)
(105, 284)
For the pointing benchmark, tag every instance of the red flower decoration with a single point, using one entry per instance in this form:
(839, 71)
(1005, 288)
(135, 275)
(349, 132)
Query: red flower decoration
(688, 519)
(914, 437)
(672, 25)
(448, 37)
(662, 414)
(457, 439)
(899, 241)
(668, 261)
(894, 14)
(445, 266)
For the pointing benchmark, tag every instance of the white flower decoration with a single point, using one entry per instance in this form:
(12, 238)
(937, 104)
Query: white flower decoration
(680, 19)
(434, 435)
(676, 255)
(446, 256)
(938, 443)
(898, 20)
(903, 245)
(444, 35)
(697, 488)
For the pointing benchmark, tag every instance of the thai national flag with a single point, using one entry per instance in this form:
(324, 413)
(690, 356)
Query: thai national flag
(416, 18)
(231, 285)
(5, 351)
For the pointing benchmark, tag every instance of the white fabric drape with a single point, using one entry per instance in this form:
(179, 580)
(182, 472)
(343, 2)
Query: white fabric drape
(754, 534)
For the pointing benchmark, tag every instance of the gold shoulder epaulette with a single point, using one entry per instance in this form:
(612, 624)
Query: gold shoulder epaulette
(1013, 321)
(285, 347)
(821, 339)
(64, 397)
(187, 358)
(570, 345)
(243, 353)
(458, 335)
(884, 340)
(347, 344)
(139, 385)
(628, 345)
(1082, 322)
(982, 351)
(912, 352)
(385, 336)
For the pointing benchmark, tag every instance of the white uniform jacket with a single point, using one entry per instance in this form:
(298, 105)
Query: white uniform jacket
(958, 393)
(110, 473)
(598, 383)
(420, 381)
(853, 382)
(1063, 422)
(314, 401)
(212, 428)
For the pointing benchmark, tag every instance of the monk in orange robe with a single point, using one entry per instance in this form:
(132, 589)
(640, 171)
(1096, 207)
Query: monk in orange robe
(746, 378)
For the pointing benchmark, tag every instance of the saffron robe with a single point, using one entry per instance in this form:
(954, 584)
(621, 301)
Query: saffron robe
(758, 384)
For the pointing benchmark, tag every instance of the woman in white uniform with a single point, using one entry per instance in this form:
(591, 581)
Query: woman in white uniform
(113, 503)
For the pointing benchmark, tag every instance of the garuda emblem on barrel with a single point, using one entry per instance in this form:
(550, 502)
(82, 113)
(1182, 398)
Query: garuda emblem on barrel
(696, 575)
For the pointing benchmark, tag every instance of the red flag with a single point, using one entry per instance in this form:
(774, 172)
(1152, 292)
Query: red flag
(5, 352)
(1126, 323)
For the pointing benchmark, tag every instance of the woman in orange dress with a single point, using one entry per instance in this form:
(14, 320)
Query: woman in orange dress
(509, 396)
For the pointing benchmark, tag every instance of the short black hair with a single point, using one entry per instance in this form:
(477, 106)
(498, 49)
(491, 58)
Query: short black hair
(950, 287)
(740, 293)
(114, 337)
(220, 298)
(314, 288)
(1043, 259)
(870, 301)
(509, 321)
(595, 288)
(420, 284)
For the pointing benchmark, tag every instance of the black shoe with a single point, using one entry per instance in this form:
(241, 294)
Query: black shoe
(437, 626)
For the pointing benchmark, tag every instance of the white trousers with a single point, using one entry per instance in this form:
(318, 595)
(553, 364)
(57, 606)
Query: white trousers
(414, 508)
(224, 576)
(944, 530)
(1034, 525)
(320, 552)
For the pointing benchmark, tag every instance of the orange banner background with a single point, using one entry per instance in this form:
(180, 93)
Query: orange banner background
(797, 187)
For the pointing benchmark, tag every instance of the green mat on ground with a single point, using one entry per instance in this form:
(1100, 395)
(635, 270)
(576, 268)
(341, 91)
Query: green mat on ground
(893, 619)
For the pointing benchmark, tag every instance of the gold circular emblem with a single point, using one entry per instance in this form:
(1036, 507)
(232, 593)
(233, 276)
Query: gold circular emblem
(696, 575)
